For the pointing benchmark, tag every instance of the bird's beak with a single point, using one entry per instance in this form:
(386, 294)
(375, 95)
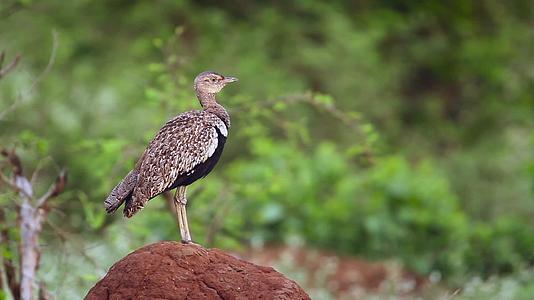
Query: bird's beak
(230, 79)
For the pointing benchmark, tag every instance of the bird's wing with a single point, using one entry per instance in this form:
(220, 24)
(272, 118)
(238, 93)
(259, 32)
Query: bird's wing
(181, 144)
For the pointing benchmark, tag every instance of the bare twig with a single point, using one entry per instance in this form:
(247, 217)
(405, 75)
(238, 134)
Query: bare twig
(10, 66)
(19, 186)
(40, 165)
(50, 64)
(19, 183)
(7, 181)
(32, 214)
(310, 99)
(67, 237)
(55, 189)
(37, 80)
(13, 160)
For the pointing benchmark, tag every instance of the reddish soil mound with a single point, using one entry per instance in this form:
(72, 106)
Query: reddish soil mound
(171, 270)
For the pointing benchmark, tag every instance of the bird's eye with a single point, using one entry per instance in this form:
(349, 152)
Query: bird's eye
(213, 80)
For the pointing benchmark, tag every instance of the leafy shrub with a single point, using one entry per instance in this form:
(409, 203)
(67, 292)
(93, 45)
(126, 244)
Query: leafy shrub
(500, 247)
(390, 209)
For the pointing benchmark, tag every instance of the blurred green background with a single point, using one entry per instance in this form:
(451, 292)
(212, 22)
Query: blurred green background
(386, 130)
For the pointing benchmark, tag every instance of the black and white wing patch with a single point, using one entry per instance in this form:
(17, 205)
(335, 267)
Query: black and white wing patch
(185, 149)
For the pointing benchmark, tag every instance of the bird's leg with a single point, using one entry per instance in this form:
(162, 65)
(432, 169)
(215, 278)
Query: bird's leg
(186, 223)
(178, 210)
(180, 201)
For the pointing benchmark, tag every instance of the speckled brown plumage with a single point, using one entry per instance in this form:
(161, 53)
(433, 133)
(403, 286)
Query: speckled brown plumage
(185, 149)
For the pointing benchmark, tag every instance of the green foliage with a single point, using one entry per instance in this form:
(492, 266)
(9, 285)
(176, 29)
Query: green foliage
(389, 209)
(387, 130)
(501, 247)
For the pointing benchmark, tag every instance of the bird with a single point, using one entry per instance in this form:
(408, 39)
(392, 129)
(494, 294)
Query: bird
(185, 149)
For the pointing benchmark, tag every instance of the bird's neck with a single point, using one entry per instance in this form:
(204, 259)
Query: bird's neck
(209, 103)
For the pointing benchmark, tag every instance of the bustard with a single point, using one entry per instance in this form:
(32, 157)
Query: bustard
(184, 150)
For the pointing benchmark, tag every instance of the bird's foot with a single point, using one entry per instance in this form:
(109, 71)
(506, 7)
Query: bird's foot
(189, 242)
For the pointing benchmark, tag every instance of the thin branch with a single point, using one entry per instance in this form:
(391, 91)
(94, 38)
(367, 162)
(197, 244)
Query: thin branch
(13, 160)
(38, 79)
(37, 170)
(8, 181)
(55, 189)
(19, 183)
(68, 238)
(308, 98)
(10, 67)
(51, 61)
(16, 188)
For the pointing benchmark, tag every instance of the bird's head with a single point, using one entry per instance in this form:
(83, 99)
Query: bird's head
(211, 82)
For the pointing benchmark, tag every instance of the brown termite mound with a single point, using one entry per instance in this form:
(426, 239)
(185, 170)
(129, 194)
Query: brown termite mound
(172, 270)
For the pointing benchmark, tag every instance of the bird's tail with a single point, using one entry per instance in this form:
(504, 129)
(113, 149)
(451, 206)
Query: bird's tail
(121, 192)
